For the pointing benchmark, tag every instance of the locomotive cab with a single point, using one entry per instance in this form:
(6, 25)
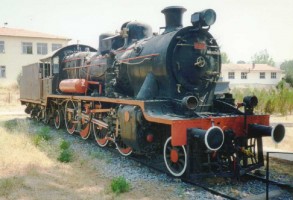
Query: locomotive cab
(60, 68)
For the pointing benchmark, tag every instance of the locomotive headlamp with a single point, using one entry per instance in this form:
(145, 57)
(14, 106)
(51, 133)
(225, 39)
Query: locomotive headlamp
(204, 18)
(250, 101)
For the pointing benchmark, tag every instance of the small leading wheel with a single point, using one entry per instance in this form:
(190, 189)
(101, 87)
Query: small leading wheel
(47, 114)
(70, 117)
(175, 158)
(123, 148)
(100, 134)
(85, 126)
(58, 119)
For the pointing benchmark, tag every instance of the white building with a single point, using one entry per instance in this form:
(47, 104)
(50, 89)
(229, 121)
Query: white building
(20, 47)
(251, 75)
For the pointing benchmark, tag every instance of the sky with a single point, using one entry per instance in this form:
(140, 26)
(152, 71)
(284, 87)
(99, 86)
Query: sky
(242, 29)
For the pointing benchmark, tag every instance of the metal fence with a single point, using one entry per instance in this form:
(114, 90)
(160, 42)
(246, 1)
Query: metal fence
(268, 170)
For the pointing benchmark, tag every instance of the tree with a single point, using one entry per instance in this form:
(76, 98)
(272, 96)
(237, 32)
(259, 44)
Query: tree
(289, 79)
(287, 66)
(224, 58)
(263, 57)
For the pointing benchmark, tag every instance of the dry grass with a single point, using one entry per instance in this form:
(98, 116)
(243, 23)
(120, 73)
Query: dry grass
(9, 98)
(17, 150)
(28, 171)
(9, 94)
(7, 185)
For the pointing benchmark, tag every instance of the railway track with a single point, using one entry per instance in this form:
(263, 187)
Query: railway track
(286, 186)
(159, 166)
(157, 163)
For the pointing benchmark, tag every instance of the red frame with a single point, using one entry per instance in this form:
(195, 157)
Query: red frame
(179, 127)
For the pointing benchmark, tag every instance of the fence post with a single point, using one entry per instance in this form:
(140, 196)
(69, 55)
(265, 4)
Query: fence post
(267, 177)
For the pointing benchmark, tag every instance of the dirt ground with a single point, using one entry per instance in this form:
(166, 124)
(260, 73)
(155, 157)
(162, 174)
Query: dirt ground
(26, 172)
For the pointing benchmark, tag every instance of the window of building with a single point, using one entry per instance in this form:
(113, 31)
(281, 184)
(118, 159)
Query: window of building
(56, 46)
(231, 75)
(262, 75)
(42, 48)
(273, 75)
(243, 75)
(27, 47)
(2, 47)
(2, 72)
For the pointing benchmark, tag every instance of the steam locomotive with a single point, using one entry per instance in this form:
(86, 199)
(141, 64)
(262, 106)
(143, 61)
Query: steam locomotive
(152, 94)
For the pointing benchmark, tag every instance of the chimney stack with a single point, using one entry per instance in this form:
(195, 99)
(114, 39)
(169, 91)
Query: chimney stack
(173, 16)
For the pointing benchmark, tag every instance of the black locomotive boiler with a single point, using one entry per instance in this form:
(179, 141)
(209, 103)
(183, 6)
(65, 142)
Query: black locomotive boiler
(152, 94)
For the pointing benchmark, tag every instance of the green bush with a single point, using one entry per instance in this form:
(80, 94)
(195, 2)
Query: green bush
(64, 145)
(270, 101)
(65, 156)
(269, 107)
(37, 139)
(120, 185)
(44, 133)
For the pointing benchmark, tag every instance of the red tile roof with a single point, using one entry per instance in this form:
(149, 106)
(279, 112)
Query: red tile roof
(4, 31)
(249, 67)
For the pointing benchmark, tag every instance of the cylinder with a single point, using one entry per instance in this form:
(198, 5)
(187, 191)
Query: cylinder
(213, 138)
(78, 86)
(277, 133)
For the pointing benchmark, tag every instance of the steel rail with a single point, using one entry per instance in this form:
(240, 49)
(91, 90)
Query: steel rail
(146, 162)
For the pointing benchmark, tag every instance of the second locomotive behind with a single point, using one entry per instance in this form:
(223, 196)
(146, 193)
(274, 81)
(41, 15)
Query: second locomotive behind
(154, 94)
